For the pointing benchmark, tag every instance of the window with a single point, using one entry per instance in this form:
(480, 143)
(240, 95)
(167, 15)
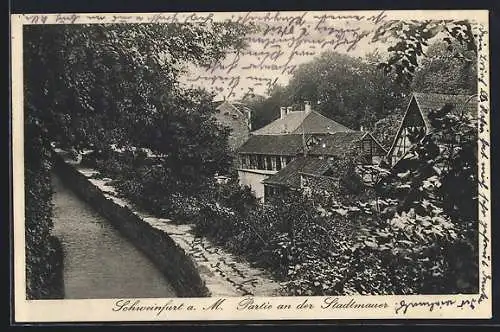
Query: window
(415, 134)
(253, 161)
(270, 191)
(278, 163)
(273, 163)
(260, 162)
(244, 161)
(283, 162)
(268, 164)
(367, 146)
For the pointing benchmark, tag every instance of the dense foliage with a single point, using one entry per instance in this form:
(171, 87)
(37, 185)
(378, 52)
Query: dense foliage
(373, 92)
(113, 89)
(38, 213)
(102, 86)
(447, 68)
(385, 130)
(349, 90)
(412, 234)
(409, 40)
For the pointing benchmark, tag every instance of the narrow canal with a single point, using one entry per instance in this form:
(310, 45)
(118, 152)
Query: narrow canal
(98, 261)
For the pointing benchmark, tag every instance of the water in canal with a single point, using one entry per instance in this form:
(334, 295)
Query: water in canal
(98, 261)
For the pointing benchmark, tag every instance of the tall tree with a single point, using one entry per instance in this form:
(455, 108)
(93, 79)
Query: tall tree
(90, 86)
(347, 89)
(266, 110)
(447, 68)
(94, 85)
(408, 40)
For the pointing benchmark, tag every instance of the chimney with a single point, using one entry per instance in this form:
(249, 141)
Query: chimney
(307, 106)
(282, 112)
(288, 109)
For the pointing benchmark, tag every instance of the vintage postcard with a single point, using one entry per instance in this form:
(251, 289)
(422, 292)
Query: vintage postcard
(251, 166)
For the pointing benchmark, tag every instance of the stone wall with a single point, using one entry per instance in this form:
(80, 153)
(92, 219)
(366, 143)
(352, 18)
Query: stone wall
(193, 266)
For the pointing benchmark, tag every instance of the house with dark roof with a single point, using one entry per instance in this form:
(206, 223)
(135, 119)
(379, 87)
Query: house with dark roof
(264, 155)
(318, 167)
(415, 123)
(272, 147)
(298, 122)
(297, 145)
(237, 117)
(296, 175)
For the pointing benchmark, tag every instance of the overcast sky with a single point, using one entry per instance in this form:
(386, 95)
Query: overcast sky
(285, 41)
(288, 39)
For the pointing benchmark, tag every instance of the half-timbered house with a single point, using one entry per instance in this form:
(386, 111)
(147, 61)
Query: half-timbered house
(319, 166)
(415, 123)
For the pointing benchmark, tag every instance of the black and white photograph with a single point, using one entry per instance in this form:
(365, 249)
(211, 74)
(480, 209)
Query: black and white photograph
(251, 165)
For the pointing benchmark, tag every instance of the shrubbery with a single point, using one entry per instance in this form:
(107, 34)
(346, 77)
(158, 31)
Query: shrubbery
(88, 87)
(406, 236)
(43, 254)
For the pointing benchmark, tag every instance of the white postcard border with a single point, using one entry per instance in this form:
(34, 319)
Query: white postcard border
(398, 307)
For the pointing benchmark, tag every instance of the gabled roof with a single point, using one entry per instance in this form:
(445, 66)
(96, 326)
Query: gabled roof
(297, 122)
(290, 175)
(288, 145)
(435, 101)
(239, 107)
(337, 144)
(244, 109)
(426, 102)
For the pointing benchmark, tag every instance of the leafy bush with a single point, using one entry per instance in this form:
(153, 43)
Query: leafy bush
(436, 189)
(184, 209)
(410, 252)
(402, 238)
(43, 256)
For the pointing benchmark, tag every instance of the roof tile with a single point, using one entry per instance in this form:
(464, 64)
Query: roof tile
(299, 121)
(288, 145)
(290, 175)
(435, 101)
(337, 144)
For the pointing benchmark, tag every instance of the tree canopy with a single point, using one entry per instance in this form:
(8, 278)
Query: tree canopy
(408, 40)
(447, 68)
(91, 85)
(347, 89)
(426, 56)
(97, 86)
